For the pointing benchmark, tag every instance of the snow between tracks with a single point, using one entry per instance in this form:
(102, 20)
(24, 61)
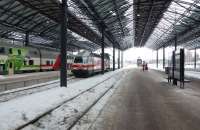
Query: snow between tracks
(17, 112)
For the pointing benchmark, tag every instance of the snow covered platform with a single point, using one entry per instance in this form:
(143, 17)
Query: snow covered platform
(145, 101)
(188, 74)
(60, 108)
(24, 80)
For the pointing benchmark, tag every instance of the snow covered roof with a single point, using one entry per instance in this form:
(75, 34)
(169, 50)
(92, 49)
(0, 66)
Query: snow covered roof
(41, 19)
(180, 22)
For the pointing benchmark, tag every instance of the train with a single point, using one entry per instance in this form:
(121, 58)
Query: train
(139, 62)
(17, 59)
(88, 63)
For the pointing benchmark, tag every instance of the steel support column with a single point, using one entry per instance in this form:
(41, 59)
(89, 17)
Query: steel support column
(195, 58)
(113, 58)
(157, 59)
(63, 41)
(27, 39)
(163, 57)
(175, 44)
(118, 59)
(102, 51)
(122, 59)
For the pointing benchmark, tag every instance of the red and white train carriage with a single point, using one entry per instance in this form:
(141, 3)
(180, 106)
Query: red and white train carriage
(88, 63)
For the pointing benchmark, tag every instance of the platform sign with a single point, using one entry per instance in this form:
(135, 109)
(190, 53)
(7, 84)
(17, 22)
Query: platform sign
(177, 67)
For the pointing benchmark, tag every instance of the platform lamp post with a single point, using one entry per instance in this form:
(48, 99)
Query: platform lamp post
(102, 49)
(63, 42)
(113, 57)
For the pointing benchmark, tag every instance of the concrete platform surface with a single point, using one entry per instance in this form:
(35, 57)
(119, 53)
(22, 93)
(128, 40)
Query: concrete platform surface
(27, 79)
(145, 101)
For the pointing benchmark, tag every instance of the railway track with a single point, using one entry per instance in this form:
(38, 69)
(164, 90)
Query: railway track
(11, 94)
(64, 102)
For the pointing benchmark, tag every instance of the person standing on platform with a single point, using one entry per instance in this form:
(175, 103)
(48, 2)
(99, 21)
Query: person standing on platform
(143, 65)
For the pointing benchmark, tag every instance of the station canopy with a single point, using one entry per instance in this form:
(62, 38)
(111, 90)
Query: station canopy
(147, 14)
(40, 20)
(180, 23)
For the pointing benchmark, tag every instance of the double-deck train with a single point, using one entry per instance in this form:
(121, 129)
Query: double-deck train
(16, 59)
(88, 63)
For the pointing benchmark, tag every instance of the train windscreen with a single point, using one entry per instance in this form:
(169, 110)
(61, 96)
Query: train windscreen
(139, 62)
(2, 50)
(78, 60)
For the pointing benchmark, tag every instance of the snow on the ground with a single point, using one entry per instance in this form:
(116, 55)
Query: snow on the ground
(2, 77)
(32, 86)
(86, 122)
(189, 74)
(193, 74)
(19, 111)
(153, 66)
(63, 117)
(29, 74)
(130, 66)
(15, 93)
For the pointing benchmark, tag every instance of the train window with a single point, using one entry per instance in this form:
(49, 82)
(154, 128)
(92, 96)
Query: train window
(31, 62)
(10, 51)
(2, 67)
(2, 50)
(51, 62)
(85, 60)
(47, 62)
(19, 52)
(90, 60)
(78, 60)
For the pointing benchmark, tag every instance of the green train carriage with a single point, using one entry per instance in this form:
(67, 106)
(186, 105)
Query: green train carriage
(15, 59)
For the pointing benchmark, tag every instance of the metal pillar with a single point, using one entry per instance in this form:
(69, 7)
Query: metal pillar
(27, 39)
(157, 59)
(122, 59)
(113, 58)
(40, 54)
(195, 58)
(118, 59)
(102, 51)
(163, 57)
(63, 40)
(175, 42)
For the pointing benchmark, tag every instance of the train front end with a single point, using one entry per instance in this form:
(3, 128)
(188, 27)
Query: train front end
(79, 67)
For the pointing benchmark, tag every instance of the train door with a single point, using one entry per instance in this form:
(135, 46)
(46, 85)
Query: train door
(10, 68)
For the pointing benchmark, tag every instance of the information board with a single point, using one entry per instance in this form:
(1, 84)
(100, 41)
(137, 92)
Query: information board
(177, 68)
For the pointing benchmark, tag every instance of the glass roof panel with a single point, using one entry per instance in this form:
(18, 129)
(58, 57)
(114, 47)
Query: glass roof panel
(173, 21)
(78, 12)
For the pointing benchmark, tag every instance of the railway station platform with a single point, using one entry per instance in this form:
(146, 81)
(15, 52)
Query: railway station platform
(145, 101)
(27, 79)
(125, 99)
